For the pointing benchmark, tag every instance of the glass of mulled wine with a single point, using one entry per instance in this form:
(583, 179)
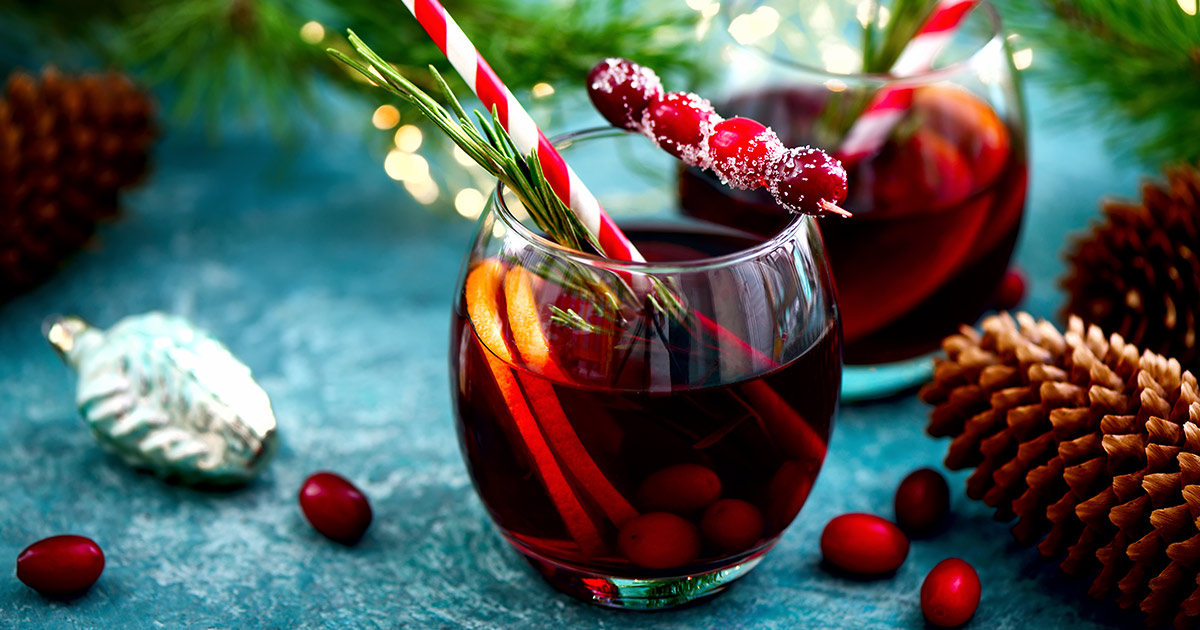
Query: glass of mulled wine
(642, 433)
(937, 197)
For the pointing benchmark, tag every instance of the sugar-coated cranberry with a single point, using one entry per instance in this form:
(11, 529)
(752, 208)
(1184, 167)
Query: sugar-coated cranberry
(922, 501)
(335, 508)
(620, 89)
(60, 565)
(950, 593)
(732, 525)
(809, 181)
(680, 123)
(863, 543)
(681, 488)
(659, 540)
(1011, 290)
(743, 152)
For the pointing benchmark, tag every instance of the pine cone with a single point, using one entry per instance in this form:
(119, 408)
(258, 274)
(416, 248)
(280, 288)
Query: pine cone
(1093, 446)
(67, 146)
(1137, 274)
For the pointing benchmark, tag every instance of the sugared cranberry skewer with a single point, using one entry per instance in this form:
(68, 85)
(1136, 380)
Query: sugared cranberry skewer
(742, 152)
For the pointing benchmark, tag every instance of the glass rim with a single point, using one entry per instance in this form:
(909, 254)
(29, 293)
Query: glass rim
(923, 76)
(549, 247)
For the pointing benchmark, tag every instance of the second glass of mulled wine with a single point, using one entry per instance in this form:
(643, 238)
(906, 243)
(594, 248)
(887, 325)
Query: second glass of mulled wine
(937, 190)
(642, 433)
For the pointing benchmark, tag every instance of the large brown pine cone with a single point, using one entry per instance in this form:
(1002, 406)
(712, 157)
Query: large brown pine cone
(67, 146)
(1092, 445)
(1137, 273)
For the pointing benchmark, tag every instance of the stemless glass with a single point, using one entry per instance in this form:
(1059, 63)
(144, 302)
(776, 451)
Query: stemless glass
(937, 205)
(642, 433)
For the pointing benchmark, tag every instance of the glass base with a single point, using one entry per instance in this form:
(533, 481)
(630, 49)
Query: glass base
(643, 593)
(871, 382)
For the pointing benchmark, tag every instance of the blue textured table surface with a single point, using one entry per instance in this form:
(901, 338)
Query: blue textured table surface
(320, 274)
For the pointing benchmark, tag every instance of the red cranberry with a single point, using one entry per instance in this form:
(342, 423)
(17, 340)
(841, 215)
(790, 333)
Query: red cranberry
(863, 544)
(1011, 290)
(60, 565)
(335, 507)
(621, 89)
(681, 488)
(680, 123)
(659, 540)
(922, 501)
(809, 181)
(950, 593)
(732, 525)
(743, 152)
(788, 490)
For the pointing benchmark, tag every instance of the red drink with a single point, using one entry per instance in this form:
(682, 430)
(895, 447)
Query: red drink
(665, 419)
(936, 215)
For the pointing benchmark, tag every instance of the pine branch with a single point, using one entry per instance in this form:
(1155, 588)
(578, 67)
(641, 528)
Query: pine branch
(1134, 67)
(244, 60)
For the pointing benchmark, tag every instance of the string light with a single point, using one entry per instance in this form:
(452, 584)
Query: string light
(542, 90)
(424, 191)
(461, 157)
(408, 138)
(312, 32)
(1188, 6)
(748, 28)
(841, 59)
(469, 203)
(1022, 55)
(406, 167)
(385, 117)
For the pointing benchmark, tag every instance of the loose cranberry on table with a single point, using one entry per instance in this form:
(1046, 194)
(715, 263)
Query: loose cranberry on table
(922, 501)
(950, 593)
(681, 488)
(335, 508)
(659, 540)
(60, 565)
(864, 544)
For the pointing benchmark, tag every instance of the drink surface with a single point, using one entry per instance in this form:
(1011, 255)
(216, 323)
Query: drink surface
(667, 434)
(936, 216)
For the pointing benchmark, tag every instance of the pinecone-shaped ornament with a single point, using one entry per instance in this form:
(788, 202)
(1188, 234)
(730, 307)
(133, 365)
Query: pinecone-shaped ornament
(1092, 445)
(67, 147)
(1137, 273)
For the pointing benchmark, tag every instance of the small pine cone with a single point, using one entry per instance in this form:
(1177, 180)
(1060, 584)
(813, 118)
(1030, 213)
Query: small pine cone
(67, 147)
(1137, 273)
(1092, 445)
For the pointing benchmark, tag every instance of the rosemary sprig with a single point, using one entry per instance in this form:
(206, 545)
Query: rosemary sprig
(490, 145)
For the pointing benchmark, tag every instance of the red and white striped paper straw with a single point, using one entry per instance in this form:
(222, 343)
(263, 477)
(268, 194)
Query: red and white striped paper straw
(889, 104)
(492, 92)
